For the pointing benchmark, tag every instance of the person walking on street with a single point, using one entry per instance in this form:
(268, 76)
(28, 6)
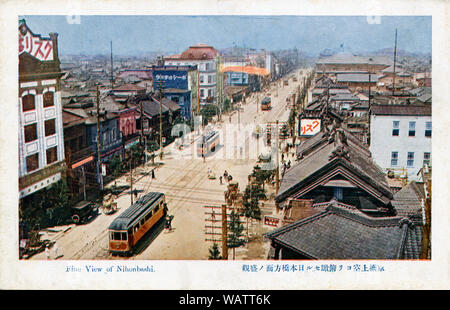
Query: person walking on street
(55, 250)
(153, 173)
(47, 252)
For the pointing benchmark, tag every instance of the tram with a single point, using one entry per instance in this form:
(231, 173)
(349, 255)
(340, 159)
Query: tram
(129, 227)
(208, 143)
(266, 103)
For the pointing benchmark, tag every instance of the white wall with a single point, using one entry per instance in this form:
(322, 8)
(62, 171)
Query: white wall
(383, 143)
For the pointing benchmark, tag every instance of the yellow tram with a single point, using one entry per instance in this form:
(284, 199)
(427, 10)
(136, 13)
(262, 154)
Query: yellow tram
(129, 227)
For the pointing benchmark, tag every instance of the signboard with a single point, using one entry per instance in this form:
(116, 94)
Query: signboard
(309, 126)
(171, 78)
(103, 170)
(271, 221)
(37, 47)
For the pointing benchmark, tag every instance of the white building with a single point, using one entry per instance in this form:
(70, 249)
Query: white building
(204, 57)
(41, 140)
(400, 138)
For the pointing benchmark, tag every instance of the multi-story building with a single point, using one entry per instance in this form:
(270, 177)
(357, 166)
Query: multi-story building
(179, 84)
(41, 141)
(400, 137)
(204, 57)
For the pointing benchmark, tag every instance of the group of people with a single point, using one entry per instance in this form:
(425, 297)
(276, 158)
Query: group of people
(227, 177)
(55, 251)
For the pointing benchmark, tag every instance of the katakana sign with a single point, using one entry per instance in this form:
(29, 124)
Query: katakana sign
(34, 45)
(172, 78)
(309, 126)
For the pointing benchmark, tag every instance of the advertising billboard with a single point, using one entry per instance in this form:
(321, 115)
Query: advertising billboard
(309, 126)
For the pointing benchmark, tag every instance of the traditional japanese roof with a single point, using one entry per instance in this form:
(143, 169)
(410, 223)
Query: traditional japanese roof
(351, 59)
(129, 87)
(332, 153)
(358, 78)
(408, 201)
(401, 109)
(343, 232)
(143, 74)
(344, 97)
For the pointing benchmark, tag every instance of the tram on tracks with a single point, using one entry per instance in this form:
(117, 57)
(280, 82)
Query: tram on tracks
(208, 143)
(266, 104)
(129, 227)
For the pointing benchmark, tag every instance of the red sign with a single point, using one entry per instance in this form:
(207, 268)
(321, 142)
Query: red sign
(271, 221)
(37, 47)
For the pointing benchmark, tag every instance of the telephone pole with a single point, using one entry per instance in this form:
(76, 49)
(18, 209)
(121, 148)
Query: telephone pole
(161, 95)
(99, 160)
(395, 59)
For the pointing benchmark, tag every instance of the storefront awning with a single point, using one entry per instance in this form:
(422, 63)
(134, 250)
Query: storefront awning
(246, 69)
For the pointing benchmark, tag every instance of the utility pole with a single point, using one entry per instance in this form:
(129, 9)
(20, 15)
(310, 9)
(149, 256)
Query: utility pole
(160, 85)
(277, 175)
(131, 175)
(395, 59)
(224, 233)
(112, 69)
(99, 160)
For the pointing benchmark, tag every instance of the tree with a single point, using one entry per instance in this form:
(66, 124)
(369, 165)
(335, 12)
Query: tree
(235, 235)
(208, 111)
(214, 252)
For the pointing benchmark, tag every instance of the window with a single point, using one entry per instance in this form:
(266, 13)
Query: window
(50, 127)
(395, 128)
(32, 162)
(28, 103)
(426, 158)
(202, 78)
(428, 127)
(412, 129)
(338, 193)
(48, 99)
(202, 93)
(209, 79)
(410, 162)
(394, 158)
(207, 67)
(52, 155)
(209, 92)
(30, 132)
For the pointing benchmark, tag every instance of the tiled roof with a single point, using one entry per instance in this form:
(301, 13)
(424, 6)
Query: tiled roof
(359, 77)
(401, 109)
(341, 232)
(198, 52)
(129, 87)
(351, 59)
(316, 160)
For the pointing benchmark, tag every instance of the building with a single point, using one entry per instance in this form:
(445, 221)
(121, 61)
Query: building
(41, 137)
(347, 63)
(179, 84)
(340, 231)
(204, 57)
(81, 166)
(357, 81)
(400, 137)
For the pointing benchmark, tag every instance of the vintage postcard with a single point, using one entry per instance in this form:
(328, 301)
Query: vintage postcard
(224, 144)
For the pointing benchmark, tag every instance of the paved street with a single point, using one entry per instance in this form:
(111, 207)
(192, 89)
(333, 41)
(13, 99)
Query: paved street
(183, 179)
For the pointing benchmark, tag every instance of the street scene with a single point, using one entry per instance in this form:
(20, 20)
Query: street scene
(223, 149)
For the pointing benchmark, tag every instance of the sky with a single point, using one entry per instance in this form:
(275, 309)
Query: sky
(134, 34)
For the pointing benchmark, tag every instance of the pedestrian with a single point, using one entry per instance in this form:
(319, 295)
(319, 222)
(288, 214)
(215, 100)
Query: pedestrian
(153, 173)
(225, 174)
(55, 250)
(47, 252)
(220, 178)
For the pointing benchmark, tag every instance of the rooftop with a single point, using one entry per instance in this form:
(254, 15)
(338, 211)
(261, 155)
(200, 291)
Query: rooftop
(401, 109)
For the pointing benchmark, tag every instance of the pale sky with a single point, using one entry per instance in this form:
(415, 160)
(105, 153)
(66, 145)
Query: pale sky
(133, 35)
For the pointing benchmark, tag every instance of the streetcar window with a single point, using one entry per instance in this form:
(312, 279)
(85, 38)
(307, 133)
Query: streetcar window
(148, 216)
(116, 236)
(124, 236)
(142, 222)
(111, 235)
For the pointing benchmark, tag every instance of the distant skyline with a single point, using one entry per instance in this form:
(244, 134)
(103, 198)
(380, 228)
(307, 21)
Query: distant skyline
(138, 35)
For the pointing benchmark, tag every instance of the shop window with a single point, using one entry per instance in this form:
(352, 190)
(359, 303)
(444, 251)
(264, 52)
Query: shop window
(30, 132)
(28, 103)
(48, 99)
(32, 162)
(50, 128)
